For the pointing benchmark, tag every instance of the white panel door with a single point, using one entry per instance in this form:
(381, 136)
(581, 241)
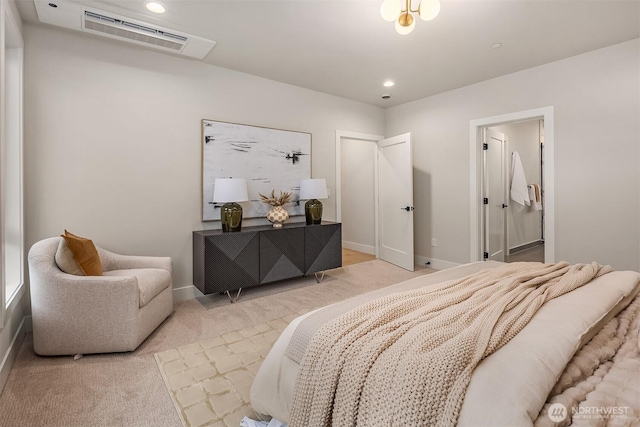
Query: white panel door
(395, 177)
(495, 190)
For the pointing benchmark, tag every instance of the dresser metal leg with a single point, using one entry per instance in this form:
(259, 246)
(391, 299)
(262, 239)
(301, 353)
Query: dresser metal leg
(320, 278)
(236, 297)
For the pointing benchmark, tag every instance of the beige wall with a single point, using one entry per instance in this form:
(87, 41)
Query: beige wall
(597, 142)
(112, 141)
(524, 225)
(112, 145)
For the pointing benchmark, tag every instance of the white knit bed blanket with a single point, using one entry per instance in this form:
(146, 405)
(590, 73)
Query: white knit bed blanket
(407, 359)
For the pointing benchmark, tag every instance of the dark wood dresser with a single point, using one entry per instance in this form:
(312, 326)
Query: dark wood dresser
(234, 260)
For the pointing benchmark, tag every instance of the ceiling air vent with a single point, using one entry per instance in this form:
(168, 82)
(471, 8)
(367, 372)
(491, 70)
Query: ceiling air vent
(129, 30)
(70, 14)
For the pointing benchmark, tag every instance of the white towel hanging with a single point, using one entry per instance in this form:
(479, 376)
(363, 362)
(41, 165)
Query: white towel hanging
(535, 204)
(519, 192)
(534, 195)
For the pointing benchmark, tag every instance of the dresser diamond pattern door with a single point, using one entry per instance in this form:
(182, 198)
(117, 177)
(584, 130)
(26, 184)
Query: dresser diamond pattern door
(231, 258)
(281, 254)
(322, 248)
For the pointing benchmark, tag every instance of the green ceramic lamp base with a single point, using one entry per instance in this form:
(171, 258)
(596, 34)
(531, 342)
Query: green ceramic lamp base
(313, 212)
(231, 217)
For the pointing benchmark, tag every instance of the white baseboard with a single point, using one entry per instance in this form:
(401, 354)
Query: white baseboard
(12, 351)
(521, 247)
(28, 324)
(437, 264)
(185, 293)
(359, 247)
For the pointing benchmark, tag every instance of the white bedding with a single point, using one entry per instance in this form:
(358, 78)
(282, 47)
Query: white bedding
(510, 386)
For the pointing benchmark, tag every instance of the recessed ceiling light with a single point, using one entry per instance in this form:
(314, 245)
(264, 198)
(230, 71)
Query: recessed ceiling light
(388, 83)
(496, 45)
(155, 7)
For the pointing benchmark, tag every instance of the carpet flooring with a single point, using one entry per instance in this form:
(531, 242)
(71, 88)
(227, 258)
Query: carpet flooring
(127, 389)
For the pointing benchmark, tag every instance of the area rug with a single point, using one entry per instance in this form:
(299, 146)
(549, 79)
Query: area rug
(209, 381)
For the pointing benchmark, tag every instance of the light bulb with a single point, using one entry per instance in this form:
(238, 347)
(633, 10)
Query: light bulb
(405, 30)
(155, 7)
(390, 9)
(429, 9)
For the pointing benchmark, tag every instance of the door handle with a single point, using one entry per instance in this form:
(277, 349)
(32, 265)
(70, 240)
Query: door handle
(504, 206)
(408, 208)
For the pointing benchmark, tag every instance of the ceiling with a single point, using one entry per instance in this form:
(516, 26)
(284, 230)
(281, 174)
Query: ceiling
(344, 47)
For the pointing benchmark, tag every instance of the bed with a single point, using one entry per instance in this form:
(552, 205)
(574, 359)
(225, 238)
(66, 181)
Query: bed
(548, 362)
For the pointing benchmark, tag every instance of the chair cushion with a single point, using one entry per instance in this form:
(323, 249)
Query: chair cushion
(65, 260)
(85, 254)
(151, 281)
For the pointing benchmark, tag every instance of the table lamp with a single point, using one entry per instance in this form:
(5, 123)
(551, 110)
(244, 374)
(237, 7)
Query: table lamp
(229, 191)
(312, 190)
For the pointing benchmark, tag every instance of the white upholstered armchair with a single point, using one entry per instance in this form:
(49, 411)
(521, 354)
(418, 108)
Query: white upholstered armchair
(114, 312)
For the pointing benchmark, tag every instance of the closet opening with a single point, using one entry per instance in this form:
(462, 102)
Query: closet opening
(519, 214)
(512, 187)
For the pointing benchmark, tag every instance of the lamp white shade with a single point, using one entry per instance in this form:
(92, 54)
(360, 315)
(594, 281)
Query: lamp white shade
(429, 9)
(390, 9)
(313, 189)
(227, 190)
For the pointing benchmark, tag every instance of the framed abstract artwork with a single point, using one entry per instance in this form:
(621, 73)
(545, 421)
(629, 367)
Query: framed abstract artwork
(268, 159)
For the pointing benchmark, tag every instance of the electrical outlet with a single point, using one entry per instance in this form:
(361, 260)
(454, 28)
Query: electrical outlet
(433, 241)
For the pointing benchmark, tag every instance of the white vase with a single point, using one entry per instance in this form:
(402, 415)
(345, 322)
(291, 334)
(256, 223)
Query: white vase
(277, 216)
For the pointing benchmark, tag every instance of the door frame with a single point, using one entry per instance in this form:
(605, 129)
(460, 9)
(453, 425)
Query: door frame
(475, 190)
(364, 138)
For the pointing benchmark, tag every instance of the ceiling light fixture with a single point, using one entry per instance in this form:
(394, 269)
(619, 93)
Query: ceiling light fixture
(155, 7)
(496, 45)
(388, 83)
(393, 10)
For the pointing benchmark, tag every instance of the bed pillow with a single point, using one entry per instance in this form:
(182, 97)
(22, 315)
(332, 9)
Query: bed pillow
(84, 253)
(510, 386)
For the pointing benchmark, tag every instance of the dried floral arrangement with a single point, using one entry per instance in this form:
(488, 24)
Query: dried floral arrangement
(281, 200)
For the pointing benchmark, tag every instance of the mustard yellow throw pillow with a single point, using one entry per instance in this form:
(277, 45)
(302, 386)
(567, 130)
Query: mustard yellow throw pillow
(85, 254)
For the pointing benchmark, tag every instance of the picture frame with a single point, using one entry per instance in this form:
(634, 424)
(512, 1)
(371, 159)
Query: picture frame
(267, 158)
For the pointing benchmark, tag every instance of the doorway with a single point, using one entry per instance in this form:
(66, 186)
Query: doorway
(374, 195)
(358, 196)
(515, 228)
(478, 225)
